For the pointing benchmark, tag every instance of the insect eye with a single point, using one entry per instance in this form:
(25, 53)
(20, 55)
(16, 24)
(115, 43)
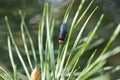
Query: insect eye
(62, 34)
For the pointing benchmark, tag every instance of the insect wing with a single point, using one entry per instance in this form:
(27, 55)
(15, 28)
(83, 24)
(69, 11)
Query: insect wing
(63, 31)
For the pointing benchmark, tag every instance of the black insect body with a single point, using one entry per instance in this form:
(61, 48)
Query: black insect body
(63, 32)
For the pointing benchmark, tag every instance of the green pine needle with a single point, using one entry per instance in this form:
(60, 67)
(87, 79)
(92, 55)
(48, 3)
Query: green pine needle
(64, 67)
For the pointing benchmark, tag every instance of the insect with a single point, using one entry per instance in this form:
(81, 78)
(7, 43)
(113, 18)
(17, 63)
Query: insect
(62, 34)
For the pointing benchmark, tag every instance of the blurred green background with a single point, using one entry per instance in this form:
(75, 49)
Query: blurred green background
(34, 9)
